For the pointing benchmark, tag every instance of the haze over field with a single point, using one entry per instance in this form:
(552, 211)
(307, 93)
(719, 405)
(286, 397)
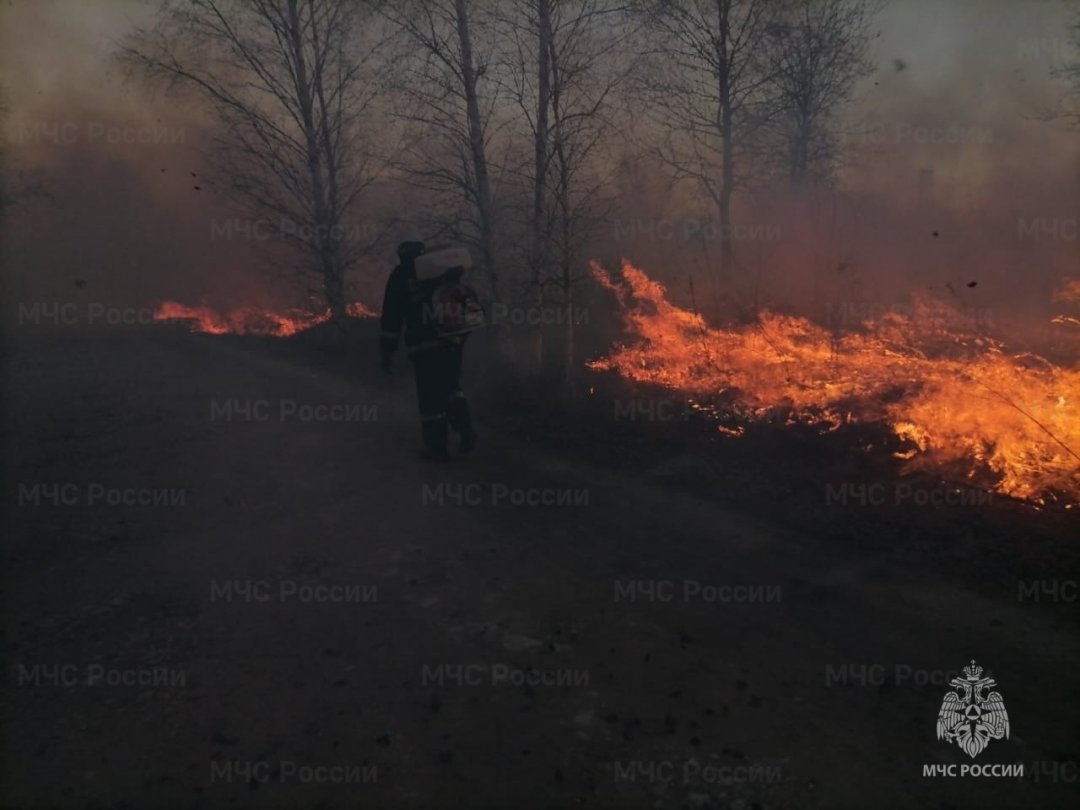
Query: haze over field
(960, 89)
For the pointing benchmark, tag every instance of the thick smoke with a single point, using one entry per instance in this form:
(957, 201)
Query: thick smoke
(955, 183)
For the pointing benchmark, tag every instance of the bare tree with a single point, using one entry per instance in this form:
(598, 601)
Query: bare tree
(817, 54)
(541, 148)
(563, 69)
(450, 100)
(526, 74)
(585, 41)
(289, 84)
(705, 77)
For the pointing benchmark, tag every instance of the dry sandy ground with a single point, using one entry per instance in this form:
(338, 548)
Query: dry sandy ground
(304, 625)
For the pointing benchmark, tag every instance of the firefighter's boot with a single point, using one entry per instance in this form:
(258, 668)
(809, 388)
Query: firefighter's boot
(461, 421)
(434, 431)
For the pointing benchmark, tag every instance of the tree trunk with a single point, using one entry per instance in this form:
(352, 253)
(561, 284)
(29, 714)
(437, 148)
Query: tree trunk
(476, 146)
(727, 136)
(562, 159)
(727, 251)
(334, 287)
(568, 297)
(540, 162)
(800, 149)
(333, 270)
(324, 229)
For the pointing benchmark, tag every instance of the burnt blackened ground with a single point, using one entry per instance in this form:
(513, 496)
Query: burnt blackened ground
(588, 651)
(843, 487)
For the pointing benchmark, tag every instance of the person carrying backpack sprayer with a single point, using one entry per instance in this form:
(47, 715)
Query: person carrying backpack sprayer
(425, 298)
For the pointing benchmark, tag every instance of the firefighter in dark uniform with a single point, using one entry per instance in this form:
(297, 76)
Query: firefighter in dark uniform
(436, 359)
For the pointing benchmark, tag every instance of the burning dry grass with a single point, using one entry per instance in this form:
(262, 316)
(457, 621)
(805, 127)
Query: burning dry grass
(249, 320)
(1070, 291)
(959, 402)
(1070, 294)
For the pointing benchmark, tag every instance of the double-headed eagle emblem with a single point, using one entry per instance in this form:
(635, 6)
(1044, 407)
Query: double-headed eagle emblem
(973, 718)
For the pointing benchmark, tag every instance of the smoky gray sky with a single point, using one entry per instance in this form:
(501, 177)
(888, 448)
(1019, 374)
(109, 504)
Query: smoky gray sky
(52, 46)
(960, 90)
(951, 64)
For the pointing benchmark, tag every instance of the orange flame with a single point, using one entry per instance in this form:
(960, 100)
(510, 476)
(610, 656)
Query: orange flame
(250, 320)
(1069, 293)
(957, 400)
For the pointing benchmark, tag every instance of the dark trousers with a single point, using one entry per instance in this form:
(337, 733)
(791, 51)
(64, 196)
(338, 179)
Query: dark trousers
(438, 388)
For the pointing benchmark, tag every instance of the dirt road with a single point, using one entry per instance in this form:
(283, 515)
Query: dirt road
(230, 585)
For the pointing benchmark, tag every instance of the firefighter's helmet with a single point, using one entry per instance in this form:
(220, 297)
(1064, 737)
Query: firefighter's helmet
(408, 251)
